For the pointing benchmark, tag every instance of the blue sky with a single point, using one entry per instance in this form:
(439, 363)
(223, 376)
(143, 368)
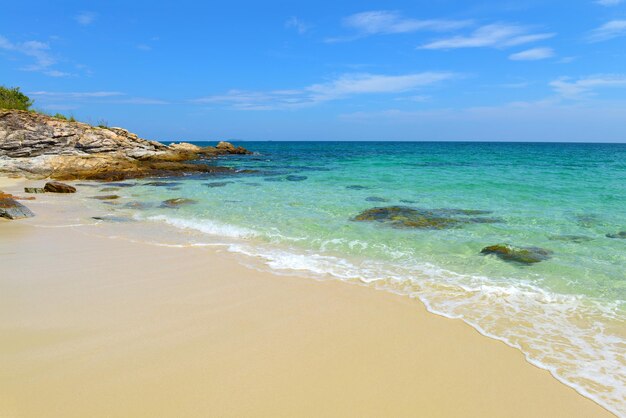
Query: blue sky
(349, 70)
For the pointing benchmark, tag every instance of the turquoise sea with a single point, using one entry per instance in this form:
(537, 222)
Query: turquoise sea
(294, 210)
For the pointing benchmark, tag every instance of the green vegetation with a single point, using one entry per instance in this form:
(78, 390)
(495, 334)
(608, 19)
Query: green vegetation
(13, 98)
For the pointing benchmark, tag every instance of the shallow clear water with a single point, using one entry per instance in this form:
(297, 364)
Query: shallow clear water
(567, 313)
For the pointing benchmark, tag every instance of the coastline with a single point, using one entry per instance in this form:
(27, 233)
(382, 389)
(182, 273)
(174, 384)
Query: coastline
(101, 326)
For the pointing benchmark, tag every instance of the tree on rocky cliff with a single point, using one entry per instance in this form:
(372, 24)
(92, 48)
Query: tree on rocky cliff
(13, 98)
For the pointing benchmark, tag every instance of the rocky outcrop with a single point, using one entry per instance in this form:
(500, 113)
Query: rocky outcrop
(12, 209)
(58, 187)
(39, 146)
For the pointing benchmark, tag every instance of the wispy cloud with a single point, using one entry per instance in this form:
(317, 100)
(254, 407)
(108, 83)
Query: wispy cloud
(532, 54)
(53, 98)
(493, 36)
(569, 88)
(608, 2)
(610, 30)
(386, 22)
(341, 87)
(299, 25)
(76, 95)
(85, 18)
(38, 51)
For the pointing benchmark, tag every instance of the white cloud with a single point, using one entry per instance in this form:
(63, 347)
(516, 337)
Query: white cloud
(297, 24)
(76, 95)
(608, 2)
(569, 88)
(387, 22)
(532, 54)
(85, 18)
(609, 30)
(493, 36)
(341, 87)
(39, 51)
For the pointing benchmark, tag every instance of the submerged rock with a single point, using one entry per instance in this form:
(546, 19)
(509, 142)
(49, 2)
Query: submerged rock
(522, 255)
(356, 187)
(572, 238)
(296, 178)
(163, 183)
(376, 199)
(410, 202)
(408, 217)
(218, 183)
(122, 184)
(58, 187)
(175, 203)
(619, 235)
(112, 218)
(34, 190)
(12, 209)
(109, 189)
(138, 205)
(106, 197)
(405, 217)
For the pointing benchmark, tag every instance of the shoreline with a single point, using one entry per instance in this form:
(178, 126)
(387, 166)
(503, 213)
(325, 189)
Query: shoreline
(142, 339)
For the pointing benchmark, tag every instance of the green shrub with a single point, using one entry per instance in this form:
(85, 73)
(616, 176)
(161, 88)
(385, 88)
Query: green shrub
(13, 98)
(60, 116)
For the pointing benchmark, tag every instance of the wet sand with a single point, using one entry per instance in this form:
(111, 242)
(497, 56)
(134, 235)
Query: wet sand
(105, 327)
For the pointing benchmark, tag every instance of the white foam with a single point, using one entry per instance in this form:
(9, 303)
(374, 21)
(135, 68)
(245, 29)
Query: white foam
(207, 226)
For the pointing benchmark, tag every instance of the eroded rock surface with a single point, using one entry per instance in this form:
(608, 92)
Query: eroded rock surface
(39, 146)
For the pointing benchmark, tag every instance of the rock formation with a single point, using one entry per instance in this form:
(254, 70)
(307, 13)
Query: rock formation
(40, 146)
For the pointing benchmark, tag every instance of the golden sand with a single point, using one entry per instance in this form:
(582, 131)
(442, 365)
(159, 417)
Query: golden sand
(99, 327)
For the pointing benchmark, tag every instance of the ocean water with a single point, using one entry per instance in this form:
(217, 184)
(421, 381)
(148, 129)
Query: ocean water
(295, 214)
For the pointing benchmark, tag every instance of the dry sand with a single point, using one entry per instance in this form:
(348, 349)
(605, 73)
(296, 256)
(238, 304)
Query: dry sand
(100, 327)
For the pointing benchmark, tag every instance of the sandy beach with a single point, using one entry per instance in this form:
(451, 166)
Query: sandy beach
(106, 327)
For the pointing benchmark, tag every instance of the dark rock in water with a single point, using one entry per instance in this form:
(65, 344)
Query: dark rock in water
(411, 202)
(34, 190)
(89, 184)
(296, 178)
(109, 189)
(106, 197)
(376, 199)
(112, 219)
(356, 187)
(522, 255)
(408, 217)
(405, 217)
(482, 220)
(218, 183)
(273, 179)
(619, 235)
(58, 187)
(138, 205)
(12, 209)
(122, 184)
(253, 184)
(163, 183)
(175, 203)
(173, 188)
(572, 238)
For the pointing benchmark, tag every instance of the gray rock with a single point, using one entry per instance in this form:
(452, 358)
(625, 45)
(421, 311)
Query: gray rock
(12, 209)
(34, 190)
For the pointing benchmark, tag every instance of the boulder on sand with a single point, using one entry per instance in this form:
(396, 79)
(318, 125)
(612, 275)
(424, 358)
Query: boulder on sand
(58, 187)
(12, 209)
